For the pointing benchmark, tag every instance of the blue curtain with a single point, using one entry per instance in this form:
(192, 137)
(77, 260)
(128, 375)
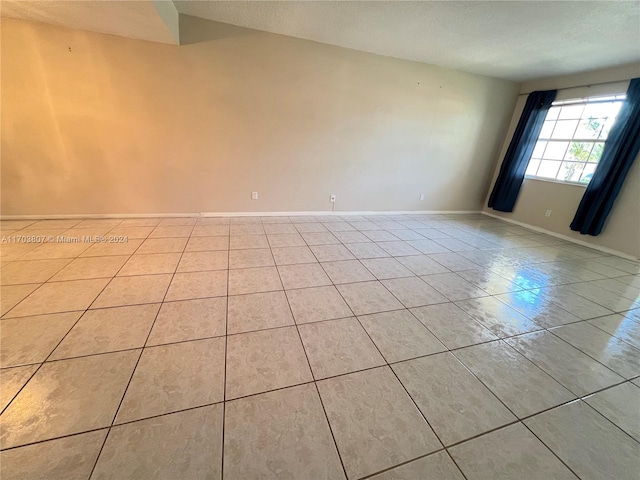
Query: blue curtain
(507, 186)
(620, 150)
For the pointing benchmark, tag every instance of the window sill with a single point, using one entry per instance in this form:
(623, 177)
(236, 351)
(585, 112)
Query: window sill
(552, 180)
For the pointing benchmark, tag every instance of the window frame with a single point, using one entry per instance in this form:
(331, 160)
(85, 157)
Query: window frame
(584, 101)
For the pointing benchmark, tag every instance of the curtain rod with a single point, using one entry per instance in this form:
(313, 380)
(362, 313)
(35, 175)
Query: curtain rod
(583, 86)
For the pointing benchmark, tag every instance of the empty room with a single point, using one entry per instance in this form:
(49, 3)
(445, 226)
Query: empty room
(317, 240)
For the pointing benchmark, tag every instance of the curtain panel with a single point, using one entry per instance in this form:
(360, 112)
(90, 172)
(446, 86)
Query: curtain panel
(620, 151)
(507, 186)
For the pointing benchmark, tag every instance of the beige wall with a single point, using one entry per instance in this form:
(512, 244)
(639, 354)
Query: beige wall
(622, 230)
(96, 124)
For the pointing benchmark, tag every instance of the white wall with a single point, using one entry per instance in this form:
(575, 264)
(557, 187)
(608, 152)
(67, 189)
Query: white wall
(622, 230)
(96, 124)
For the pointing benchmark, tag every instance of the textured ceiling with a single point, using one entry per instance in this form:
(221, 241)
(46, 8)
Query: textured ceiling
(141, 19)
(516, 40)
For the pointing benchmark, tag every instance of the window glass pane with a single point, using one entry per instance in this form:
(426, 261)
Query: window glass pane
(555, 150)
(601, 109)
(532, 168)
(609, 109)
(589, 128)
(571, 112)
(570, 171)
(579, 151)
(547, 128)
(572, 139)
(564, 129)
(538, 150)
(548, 169)
(614, 109)
(596, 153)
(553, 112)
(606, 128)
(587, 173)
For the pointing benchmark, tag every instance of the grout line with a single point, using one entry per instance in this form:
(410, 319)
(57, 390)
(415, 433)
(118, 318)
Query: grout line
(41, 363)
(13, 397)
(549, 448)
(456, 464)
(308, 383)
(37, 442)
(402, 464)
(224, 384)
(388, 365)
(502, 337)
(313, 376)
(467, 227)
(377, 366)
(608, 419)
(58, 344)
(133, 371)
(552, 332)
(262, 330)
(611, 334)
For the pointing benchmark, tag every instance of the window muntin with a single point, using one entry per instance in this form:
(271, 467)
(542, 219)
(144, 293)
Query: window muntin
(572, 139)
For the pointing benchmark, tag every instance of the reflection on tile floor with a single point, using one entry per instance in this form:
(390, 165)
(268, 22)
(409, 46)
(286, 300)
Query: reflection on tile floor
(383, 347)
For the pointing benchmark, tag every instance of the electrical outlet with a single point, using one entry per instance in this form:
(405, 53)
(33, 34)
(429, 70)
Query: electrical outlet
(254, 195)
(547, 213)
(421, 196)
(332, 198)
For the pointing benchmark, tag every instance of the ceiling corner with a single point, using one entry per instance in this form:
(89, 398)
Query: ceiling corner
(169, 15)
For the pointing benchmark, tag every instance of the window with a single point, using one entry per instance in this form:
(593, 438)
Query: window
(572, 139)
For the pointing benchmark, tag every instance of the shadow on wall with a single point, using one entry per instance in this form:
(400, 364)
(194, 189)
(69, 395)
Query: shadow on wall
(199, 30)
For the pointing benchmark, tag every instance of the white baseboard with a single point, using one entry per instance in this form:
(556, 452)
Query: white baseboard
(97, 215)
(338, 213)
(235, 214)
(610, 251)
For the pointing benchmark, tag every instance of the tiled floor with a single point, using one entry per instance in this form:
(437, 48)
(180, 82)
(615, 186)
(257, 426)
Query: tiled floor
(386, 347)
